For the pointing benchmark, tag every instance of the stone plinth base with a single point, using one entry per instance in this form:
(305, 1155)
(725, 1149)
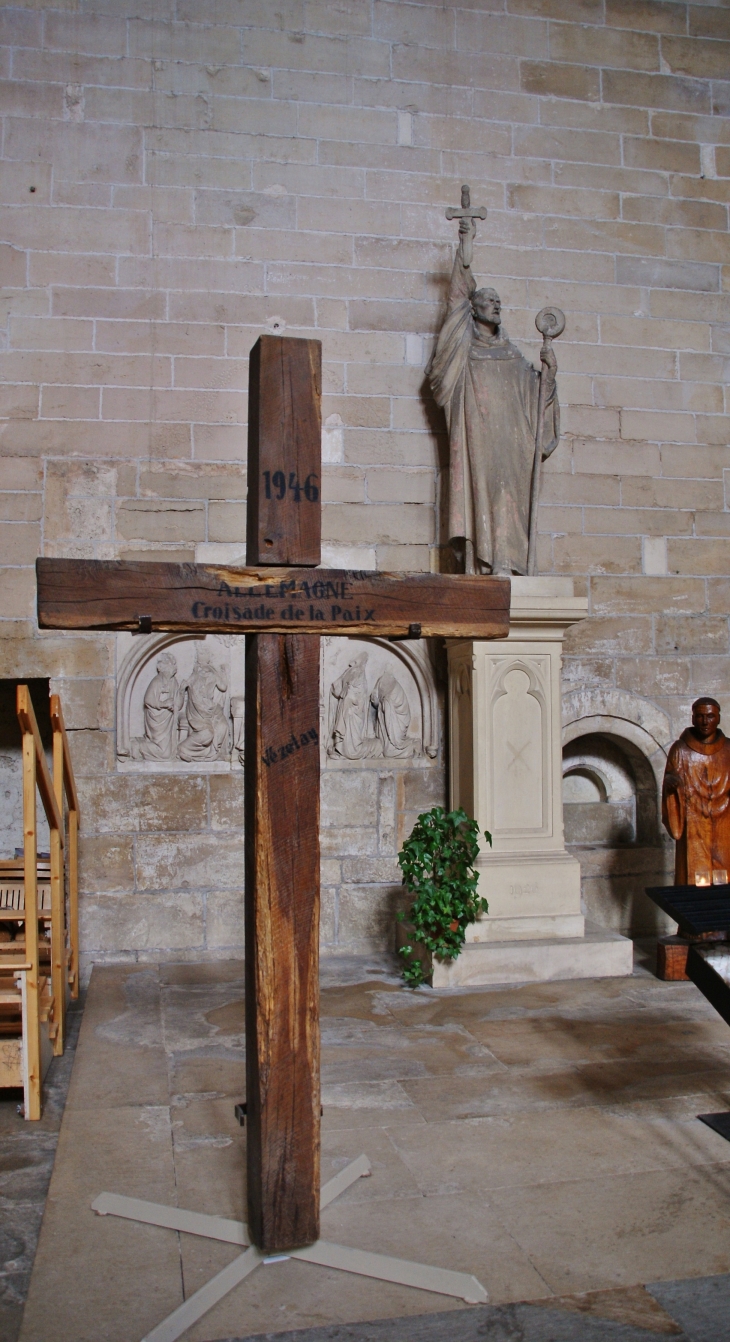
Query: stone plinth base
(530, 895)
(598, 954)
(506, 772)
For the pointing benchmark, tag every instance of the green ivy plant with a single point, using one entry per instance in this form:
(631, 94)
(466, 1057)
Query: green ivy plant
(437, 862)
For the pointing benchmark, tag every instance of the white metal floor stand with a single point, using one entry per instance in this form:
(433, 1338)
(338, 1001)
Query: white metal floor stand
(382, 1266)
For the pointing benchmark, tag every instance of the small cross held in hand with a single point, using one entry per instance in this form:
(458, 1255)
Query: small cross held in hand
(467, 226)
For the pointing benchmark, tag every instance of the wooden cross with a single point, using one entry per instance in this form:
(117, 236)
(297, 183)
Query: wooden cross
(282, 601)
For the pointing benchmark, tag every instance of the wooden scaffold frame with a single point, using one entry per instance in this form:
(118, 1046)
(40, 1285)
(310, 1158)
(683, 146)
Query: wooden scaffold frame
(40, 997)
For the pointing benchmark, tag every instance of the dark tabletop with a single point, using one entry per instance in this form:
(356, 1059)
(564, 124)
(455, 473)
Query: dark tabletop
(705, 976)
(697, 908)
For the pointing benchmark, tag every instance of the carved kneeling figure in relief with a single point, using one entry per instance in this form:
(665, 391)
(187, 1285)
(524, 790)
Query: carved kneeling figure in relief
(193, 708)
(351, 735)
(207, 723)
(393, 718)
(162, 703)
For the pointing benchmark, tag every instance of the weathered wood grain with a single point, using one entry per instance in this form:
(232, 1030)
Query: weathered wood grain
(116, 594)
(281, 794)
(282, 940)
(282, 609)
(284, 515)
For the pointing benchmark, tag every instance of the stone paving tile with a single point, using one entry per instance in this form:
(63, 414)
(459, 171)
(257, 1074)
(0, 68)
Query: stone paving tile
(478, 1096)
(576, 1319)
(622, 1229)
(544, 1138)
(27, 1152)
(701, 1307)
(693, 1310)
(126, 1018)
(549, 1147)
(378, 1051)
(455, 1230)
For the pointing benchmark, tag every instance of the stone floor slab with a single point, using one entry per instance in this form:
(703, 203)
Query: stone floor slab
(543, 1138)
(552, 1146)
(624, 1229)
(505, 1323)
(702, 1307)
(27, 1152)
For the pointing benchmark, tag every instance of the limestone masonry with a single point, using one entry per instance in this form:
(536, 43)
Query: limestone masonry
(179, 176)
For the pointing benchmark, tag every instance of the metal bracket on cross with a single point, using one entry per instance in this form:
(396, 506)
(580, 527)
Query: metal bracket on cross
(441, 1280)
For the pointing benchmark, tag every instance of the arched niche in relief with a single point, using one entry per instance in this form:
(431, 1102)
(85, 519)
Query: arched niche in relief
(180, 703)
(521, 744)
(379, 702)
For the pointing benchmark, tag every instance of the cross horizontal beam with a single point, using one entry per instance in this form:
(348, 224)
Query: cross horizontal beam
(139, 596)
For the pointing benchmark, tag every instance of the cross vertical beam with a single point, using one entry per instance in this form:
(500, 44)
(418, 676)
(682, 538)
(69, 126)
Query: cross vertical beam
(283, 518)
(282, 936)
(282, 810)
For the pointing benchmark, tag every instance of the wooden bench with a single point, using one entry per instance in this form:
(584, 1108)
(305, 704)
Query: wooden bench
(15, 964)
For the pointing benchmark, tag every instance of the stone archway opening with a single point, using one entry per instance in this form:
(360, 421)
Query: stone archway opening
(613, 826)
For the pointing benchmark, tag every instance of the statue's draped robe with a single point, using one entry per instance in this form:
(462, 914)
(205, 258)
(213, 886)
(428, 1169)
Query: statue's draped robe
(207, 738)
(161, 704)
(350, 728)
(696, 805)
(393, 718)
(489, 392)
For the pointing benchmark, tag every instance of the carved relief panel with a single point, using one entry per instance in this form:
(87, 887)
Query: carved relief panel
(180, 703)
(379, 701)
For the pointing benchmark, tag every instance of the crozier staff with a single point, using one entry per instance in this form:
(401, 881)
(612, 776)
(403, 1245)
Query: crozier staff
(696, 795)
(490, 395)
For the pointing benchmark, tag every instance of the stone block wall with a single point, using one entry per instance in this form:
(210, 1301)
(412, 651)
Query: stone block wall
(177, 177)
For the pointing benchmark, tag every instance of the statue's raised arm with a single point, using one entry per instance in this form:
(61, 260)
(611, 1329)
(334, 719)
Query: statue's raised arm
(462, 283)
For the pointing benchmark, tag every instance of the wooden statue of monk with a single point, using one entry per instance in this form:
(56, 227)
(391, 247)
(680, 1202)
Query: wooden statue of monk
(696, 796)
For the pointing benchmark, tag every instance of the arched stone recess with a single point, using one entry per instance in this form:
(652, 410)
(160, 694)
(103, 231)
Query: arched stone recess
(614, 752)
(179, 703)
(620, 714)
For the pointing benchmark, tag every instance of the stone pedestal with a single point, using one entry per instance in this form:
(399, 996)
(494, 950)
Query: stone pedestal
(506, 771)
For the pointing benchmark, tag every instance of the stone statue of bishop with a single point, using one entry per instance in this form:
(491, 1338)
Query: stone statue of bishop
(490, 394)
